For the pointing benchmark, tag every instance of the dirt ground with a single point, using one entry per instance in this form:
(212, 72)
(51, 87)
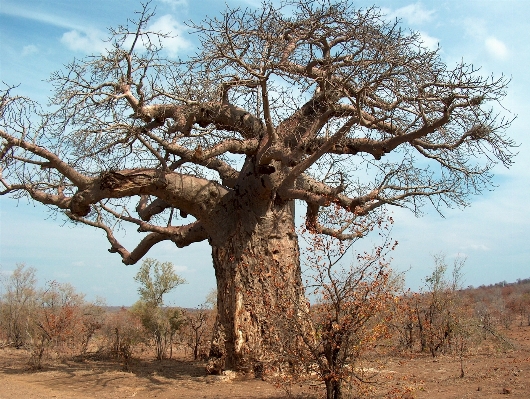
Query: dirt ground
(490, 373)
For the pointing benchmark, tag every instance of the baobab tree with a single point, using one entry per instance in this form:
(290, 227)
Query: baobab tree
(315, 103)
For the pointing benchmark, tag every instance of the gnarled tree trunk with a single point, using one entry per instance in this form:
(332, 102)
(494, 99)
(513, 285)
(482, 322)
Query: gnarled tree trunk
(256, 264)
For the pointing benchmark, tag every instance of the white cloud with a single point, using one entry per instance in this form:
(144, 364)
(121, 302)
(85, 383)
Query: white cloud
(78, 264)
(27, 13)
(176, 42)
(29, 49)
(428, 41)
(413, 14)
(86, 41)
(477, 28)
(180, 268)
(6, 273)
(77, 38)
(496, 47)
(93, 40)
(459, 255)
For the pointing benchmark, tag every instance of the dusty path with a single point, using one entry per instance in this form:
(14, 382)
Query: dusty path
(91, 379)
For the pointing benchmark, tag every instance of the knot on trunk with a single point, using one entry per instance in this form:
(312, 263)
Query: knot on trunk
(79, 206)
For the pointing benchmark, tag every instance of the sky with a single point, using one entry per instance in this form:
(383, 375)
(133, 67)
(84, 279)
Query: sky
(38, 37)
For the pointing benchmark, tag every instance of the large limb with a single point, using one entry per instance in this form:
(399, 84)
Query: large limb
(193, 195)
(349, 229)
(183, 113)
(48, 179)
(356, 222)
(377, 148)
(146, 210)
(306, 163)
(59, 200)
(181, 235)
(317, 192)
(319, 196)
(405, 106)
(208, 156)
(222, 116)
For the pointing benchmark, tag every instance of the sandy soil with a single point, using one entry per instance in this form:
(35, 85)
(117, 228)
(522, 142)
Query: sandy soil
(488, 374)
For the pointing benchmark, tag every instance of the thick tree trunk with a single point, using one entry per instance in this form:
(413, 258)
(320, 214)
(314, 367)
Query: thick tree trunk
(256, 265)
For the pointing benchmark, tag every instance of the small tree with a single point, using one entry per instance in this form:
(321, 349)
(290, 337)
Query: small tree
(160, 323)
(349, 316)
(404, 321)
(437, 308)
(199, 325)
(123, 331)
(157, 279)
(17, 304)
(55, 316)
(92, 319)
(56, 320)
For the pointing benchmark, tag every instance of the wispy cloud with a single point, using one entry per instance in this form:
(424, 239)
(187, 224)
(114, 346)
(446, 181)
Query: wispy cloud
(413, 14)
(180, 268)
(176, 42)
(88, 39)
(78, 38)
(85, 41)
(29, 49)
(478, 29)
(6, 273)
(79, 263)
(175, 3)
(50, 19)
(94, 41)
(496, 47)
(252, 3)
(476, 247)
(475, 27)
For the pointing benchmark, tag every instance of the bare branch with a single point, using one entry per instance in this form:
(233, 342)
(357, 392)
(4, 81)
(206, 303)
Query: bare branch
(181, 236)
(75, 177)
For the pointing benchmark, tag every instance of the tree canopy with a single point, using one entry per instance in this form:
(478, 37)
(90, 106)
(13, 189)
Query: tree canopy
(316, 95)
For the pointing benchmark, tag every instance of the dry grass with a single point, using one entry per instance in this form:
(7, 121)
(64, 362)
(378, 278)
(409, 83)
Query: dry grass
(489, 372)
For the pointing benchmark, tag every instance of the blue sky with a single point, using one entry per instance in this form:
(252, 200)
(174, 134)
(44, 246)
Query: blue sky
(37, 37)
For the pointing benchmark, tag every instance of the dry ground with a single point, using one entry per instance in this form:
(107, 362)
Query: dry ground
(491, 373)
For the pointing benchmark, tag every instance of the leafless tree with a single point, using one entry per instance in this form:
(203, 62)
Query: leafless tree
(198, 325)
(17, 304)
(438, 308)
(311, 101)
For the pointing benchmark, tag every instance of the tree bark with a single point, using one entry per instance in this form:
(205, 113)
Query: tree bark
(334, 389)
(257, 264)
